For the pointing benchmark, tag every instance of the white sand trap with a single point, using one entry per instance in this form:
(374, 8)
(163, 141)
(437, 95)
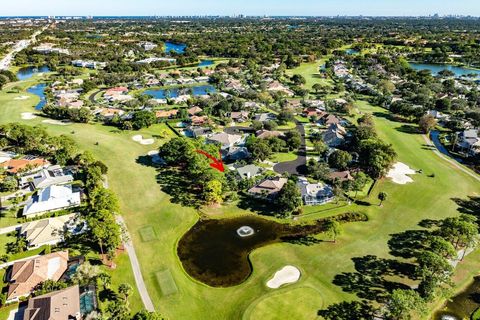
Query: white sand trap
(21, 98)
(399, 173)
(286, 275)
(57, 122)
(153, 153)
(28, 116)
(138, 138)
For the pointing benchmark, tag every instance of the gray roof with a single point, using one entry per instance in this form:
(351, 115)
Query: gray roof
(248, 171)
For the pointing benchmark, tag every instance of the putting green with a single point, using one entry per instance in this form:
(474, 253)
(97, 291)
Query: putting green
(296, 303)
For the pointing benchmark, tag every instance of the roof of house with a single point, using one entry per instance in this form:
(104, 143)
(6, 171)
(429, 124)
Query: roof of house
(194, 110)
(264, 134)
(240, 114)
(16, 165)
(248, 171)
(58, 305)
(314, 190)
(269, 186)
(45, 231)
(225, 139)
(166, 113)
(52, 198)
(47, 177)
(26, 275)
(340, 175)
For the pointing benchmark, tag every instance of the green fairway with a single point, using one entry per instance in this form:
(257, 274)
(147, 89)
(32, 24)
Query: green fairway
(311, 73)
(144, 205)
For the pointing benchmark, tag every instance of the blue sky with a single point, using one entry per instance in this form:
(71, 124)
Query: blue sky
(229, 7)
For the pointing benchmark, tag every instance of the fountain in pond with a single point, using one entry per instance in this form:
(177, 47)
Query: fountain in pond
(245, 231)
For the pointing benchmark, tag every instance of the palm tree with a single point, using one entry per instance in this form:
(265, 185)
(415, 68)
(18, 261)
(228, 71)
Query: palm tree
(125, 290)
(382, 196)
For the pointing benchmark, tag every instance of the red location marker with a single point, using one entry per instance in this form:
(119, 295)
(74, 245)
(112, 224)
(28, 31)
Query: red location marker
(217, 163)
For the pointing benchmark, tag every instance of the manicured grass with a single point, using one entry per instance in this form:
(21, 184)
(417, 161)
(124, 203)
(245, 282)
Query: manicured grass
(311, 72)
(288, 126)
(5, 311)
(282, 157)
(144, 204)
(298, 303)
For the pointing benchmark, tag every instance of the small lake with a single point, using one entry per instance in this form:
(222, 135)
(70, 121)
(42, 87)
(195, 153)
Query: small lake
(28, 72)
(175, 47)
(39, 91)
(462, 305)
(215, 253)
(206, 63)
(176, 92)
(436, 68)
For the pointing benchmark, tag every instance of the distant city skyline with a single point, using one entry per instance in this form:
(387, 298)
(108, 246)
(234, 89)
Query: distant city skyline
(246, 7)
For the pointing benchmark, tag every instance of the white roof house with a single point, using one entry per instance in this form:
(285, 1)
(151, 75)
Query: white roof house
(45, 178)
(225, 139)
(315, 193)
(52, 198)
(45, 232)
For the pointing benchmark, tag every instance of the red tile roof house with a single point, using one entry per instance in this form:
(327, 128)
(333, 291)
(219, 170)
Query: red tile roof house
(25, 275)
(116, 91)
(268, 189)
(166, 114)
(15, 166)
(194, 110)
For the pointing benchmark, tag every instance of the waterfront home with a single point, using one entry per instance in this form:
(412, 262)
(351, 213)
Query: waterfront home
(314, 193)
(268, 188)
(52, 198)
(45, 177)
(469, 142)
(57, 305)
(147, 46)
(24, 165)
(43, 232)
(25, 275)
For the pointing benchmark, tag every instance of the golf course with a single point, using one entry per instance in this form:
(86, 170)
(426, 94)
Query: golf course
(156, 224)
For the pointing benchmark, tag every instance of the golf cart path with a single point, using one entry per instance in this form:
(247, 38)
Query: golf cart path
(137, 273)
(452, 162)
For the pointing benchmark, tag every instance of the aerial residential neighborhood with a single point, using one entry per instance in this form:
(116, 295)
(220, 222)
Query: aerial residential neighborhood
(238, 160)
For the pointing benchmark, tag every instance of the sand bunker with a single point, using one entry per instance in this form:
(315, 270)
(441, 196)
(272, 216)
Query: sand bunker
(139, 138)
(286, 275)
(57, 122)
(28, 116)
(21, 98)
(399, 173)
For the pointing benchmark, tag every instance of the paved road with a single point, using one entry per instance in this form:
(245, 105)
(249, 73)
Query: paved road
(93, 95)
(137, 273)
(237, 130)
(452, 162)
(297, 166)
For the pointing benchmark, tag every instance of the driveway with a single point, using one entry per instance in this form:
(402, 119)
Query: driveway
(93, 95)
(237, 130)
(299, 165)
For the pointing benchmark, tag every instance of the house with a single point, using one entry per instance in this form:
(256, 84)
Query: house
(197, 121)
(248, 171)
(25, 275)
(58, 305)
(147, 46)
(318, 104)
(329, 119)
(268, 188)
(314, 193)
(45, 178)
(437, 115)
(234, 84)
(469, 141)
(109, 113)
(166, 114)
(52, 198)
(46, 231)
(225, 140)
(313, 112)
(240, 116)
(276, 86)
(197, 132)
(25, 165)
(334, 136)
(89, 64)
(265, 134)
(236, 153)
(155, 59)
(340, 176)
(194, 111)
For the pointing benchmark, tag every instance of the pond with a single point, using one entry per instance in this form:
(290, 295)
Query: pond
(176, 92)
(462, 305)
(436, 68)
(206, 63)
(28, 72)
(215, 252)
(39, 90)
(175, 47)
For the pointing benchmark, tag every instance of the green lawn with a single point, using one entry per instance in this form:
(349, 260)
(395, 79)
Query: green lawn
(144, 205)
(282, 157)
(311, 73)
